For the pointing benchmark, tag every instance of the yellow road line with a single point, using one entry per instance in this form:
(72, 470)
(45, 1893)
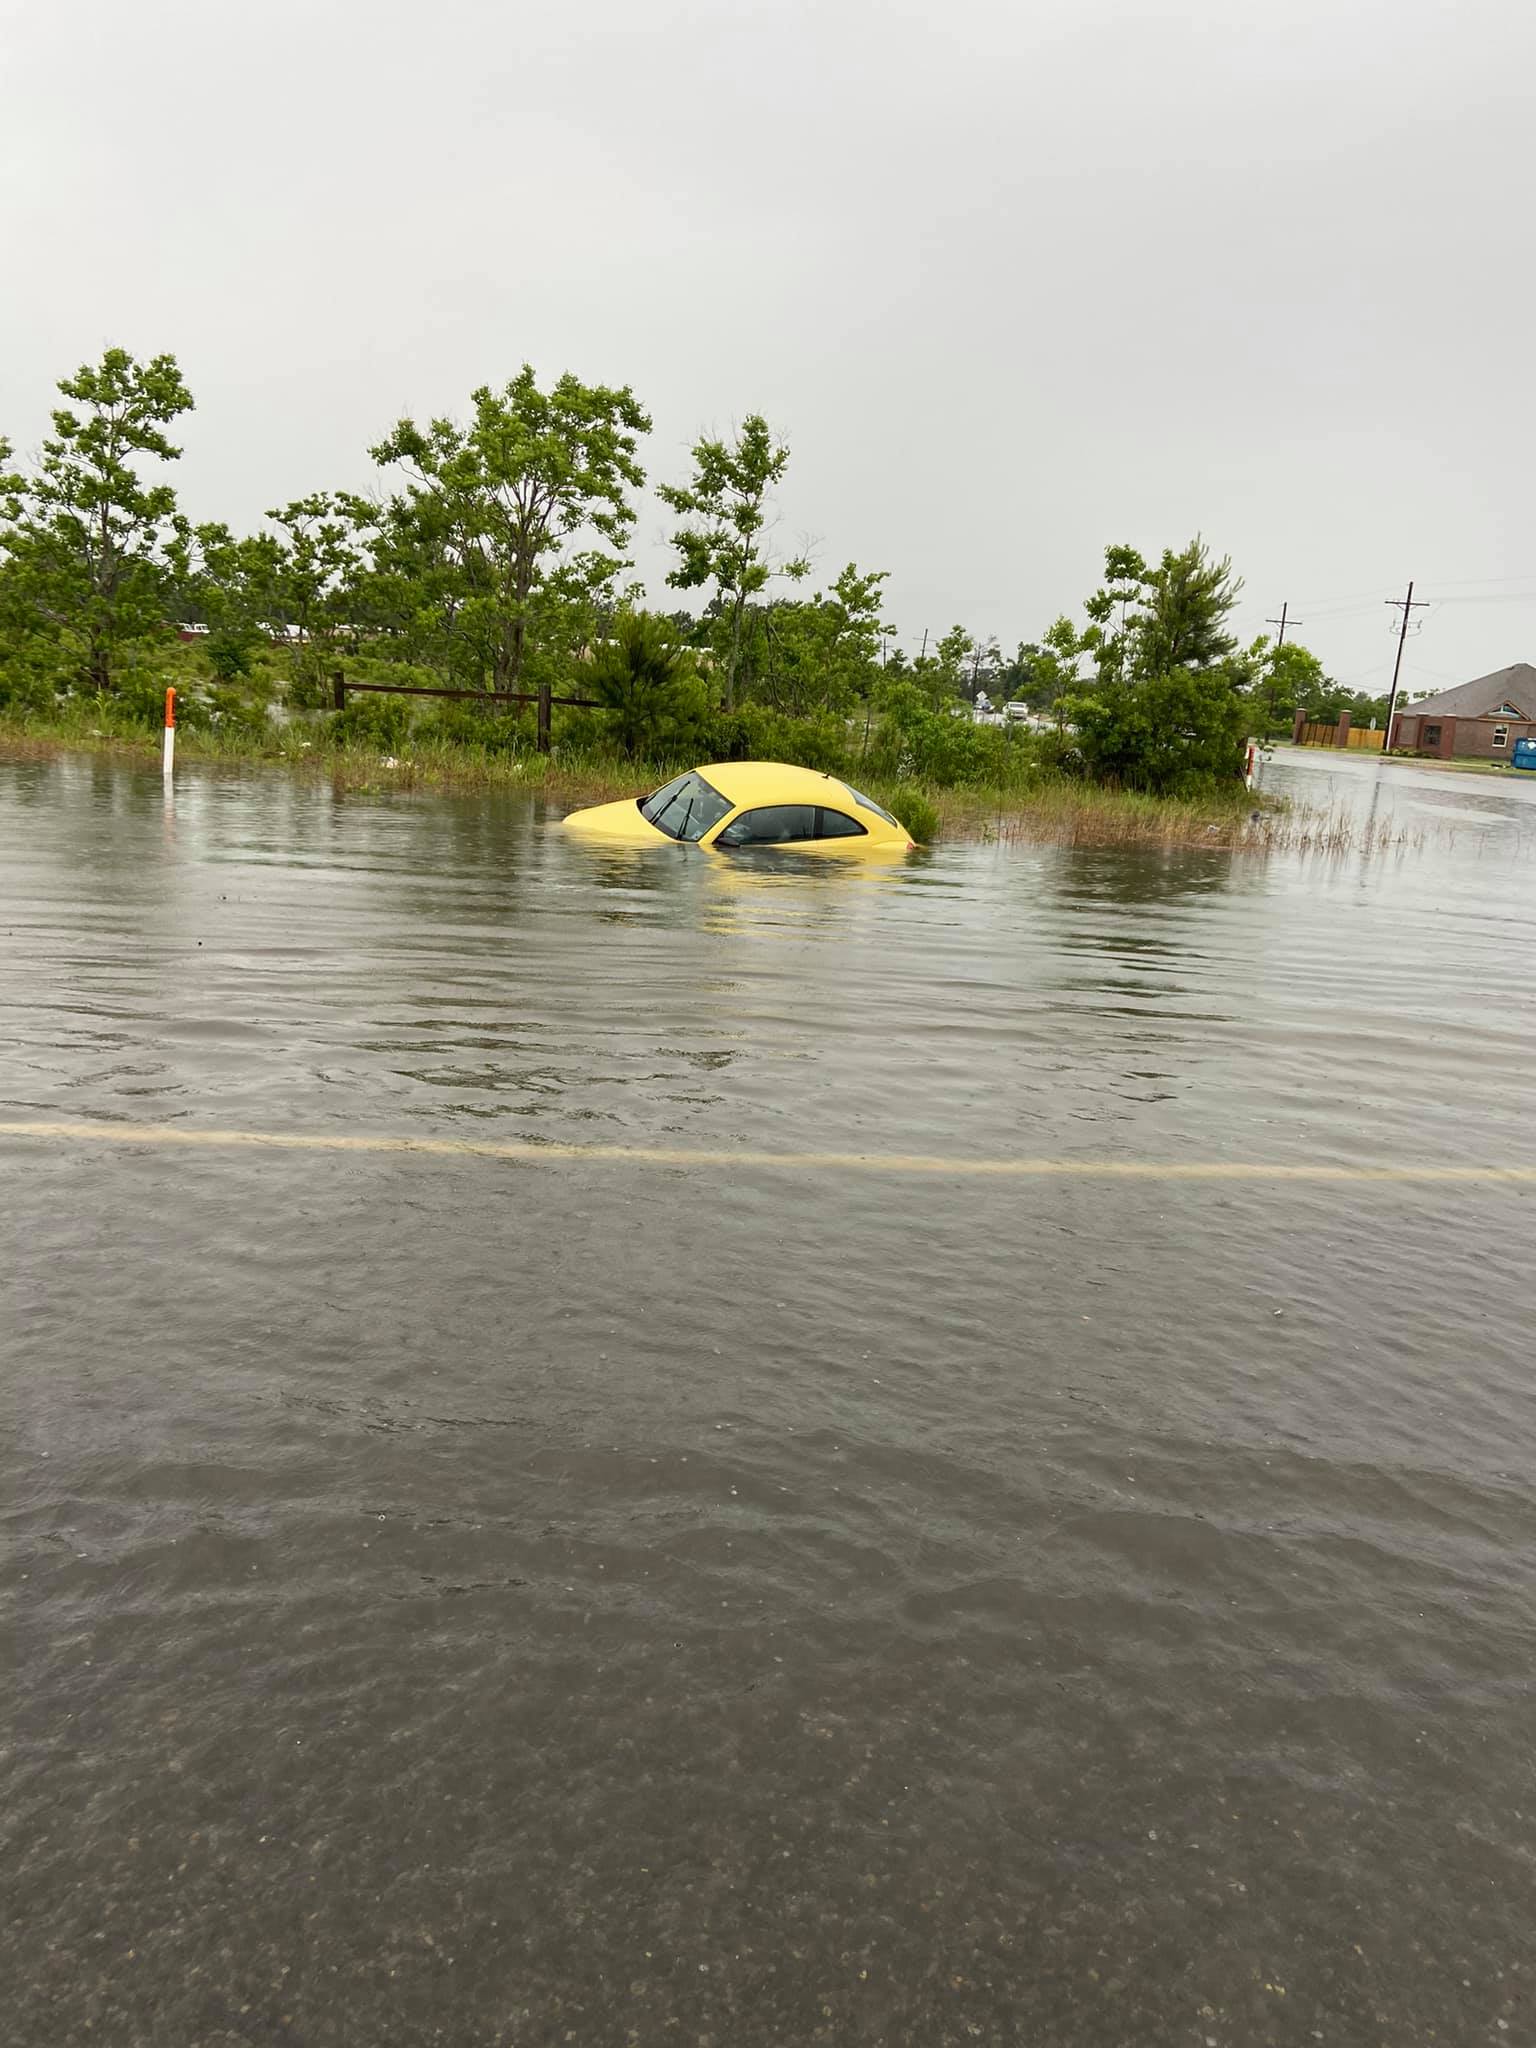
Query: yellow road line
(526, 1153)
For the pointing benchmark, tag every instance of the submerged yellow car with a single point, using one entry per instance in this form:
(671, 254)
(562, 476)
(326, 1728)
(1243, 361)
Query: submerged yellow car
(750, 803)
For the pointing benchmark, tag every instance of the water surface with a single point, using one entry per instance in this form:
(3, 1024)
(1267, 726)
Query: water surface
(471, 1601)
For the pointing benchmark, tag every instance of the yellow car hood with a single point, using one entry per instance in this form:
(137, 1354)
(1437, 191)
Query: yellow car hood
(620, 821)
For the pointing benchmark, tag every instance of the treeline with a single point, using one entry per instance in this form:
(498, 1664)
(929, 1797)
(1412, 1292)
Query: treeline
(492, 559)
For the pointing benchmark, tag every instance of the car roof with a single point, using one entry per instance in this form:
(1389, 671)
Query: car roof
(775, 782)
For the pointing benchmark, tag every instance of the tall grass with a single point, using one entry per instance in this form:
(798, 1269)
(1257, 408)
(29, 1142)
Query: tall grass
(1050, 811)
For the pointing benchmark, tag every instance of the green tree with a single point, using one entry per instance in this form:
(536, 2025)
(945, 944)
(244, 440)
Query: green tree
(411, 596)
(1334, 700)
(1187, 601)
(727, 500)
(492, 509)
(1290, 678)
(1168, 709)
(941, 675)
(227, 581)
(313, 572)
(983, 672)
(915, 737)
(1045, 671)
(1164, 734)
(1107, 635)
(823, 654)
(640, 672)
(91, 546)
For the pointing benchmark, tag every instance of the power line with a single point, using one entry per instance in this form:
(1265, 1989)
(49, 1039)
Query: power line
(1422, 668)
(1464, 582)
(1342, 598)
(1339, 611)
(1340, 607)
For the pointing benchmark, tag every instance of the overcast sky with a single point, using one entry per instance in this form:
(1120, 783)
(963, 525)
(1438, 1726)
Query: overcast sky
(1015, 280)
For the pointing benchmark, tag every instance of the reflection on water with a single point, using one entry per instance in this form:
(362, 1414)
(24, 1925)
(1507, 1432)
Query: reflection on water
(469, 1602)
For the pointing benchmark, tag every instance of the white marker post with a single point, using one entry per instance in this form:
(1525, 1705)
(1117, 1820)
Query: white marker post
(169, 757)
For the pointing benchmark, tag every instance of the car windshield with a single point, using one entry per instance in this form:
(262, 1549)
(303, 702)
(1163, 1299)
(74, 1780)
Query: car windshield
(870, 805)
(686, 808)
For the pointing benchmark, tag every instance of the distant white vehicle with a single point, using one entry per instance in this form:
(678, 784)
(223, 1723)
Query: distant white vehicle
(1017, 712)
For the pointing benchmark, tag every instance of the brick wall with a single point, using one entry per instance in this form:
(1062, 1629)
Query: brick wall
(1474, 737)
(1461, 738)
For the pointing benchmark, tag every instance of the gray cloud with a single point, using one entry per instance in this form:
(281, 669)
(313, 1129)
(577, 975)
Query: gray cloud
(1016, 281)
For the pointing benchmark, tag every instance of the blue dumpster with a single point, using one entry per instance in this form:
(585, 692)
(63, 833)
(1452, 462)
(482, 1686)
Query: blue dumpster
(1524, 755)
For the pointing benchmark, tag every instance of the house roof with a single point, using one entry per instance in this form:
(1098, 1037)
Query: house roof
(1483, 698)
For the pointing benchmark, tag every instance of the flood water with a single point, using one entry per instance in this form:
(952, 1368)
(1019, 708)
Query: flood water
(605, 1599)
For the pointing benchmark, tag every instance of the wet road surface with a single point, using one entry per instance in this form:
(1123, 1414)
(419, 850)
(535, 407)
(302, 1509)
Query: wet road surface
(607, 1599)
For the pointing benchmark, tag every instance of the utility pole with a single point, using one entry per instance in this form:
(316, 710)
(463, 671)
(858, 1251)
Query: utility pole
(1282, 622)
(1407, 607)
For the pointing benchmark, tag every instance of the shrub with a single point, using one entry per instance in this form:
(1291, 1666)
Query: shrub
(27, 685)
(916, 811)
(753, 732)
(915, 739)
(139, 700)
(640, 674)
(230, 653)
(230, 711)
(1057, 753)
(1172, 734)
(379, 722)
(459, 724)
(309, 691)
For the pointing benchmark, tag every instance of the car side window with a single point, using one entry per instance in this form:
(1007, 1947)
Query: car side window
(773, 825)
(837, 825)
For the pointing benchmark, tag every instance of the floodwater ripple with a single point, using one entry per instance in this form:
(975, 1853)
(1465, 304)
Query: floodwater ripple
(766, 1575)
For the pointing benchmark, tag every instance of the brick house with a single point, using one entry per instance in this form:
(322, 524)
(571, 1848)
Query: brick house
(1481, 719)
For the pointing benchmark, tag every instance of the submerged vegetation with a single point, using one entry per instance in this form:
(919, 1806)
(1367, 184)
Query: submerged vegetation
(491, 565)
(1050, 810)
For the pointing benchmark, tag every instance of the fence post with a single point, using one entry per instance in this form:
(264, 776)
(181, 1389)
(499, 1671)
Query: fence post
(338, 689)
(1298, 727)
(1341, 732)
(545, 693)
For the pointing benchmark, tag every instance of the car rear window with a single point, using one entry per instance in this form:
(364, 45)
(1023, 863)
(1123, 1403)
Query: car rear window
(869, 804)
(684, 808)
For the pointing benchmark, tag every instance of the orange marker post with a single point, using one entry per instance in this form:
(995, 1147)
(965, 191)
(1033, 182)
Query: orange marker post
(169, 757)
